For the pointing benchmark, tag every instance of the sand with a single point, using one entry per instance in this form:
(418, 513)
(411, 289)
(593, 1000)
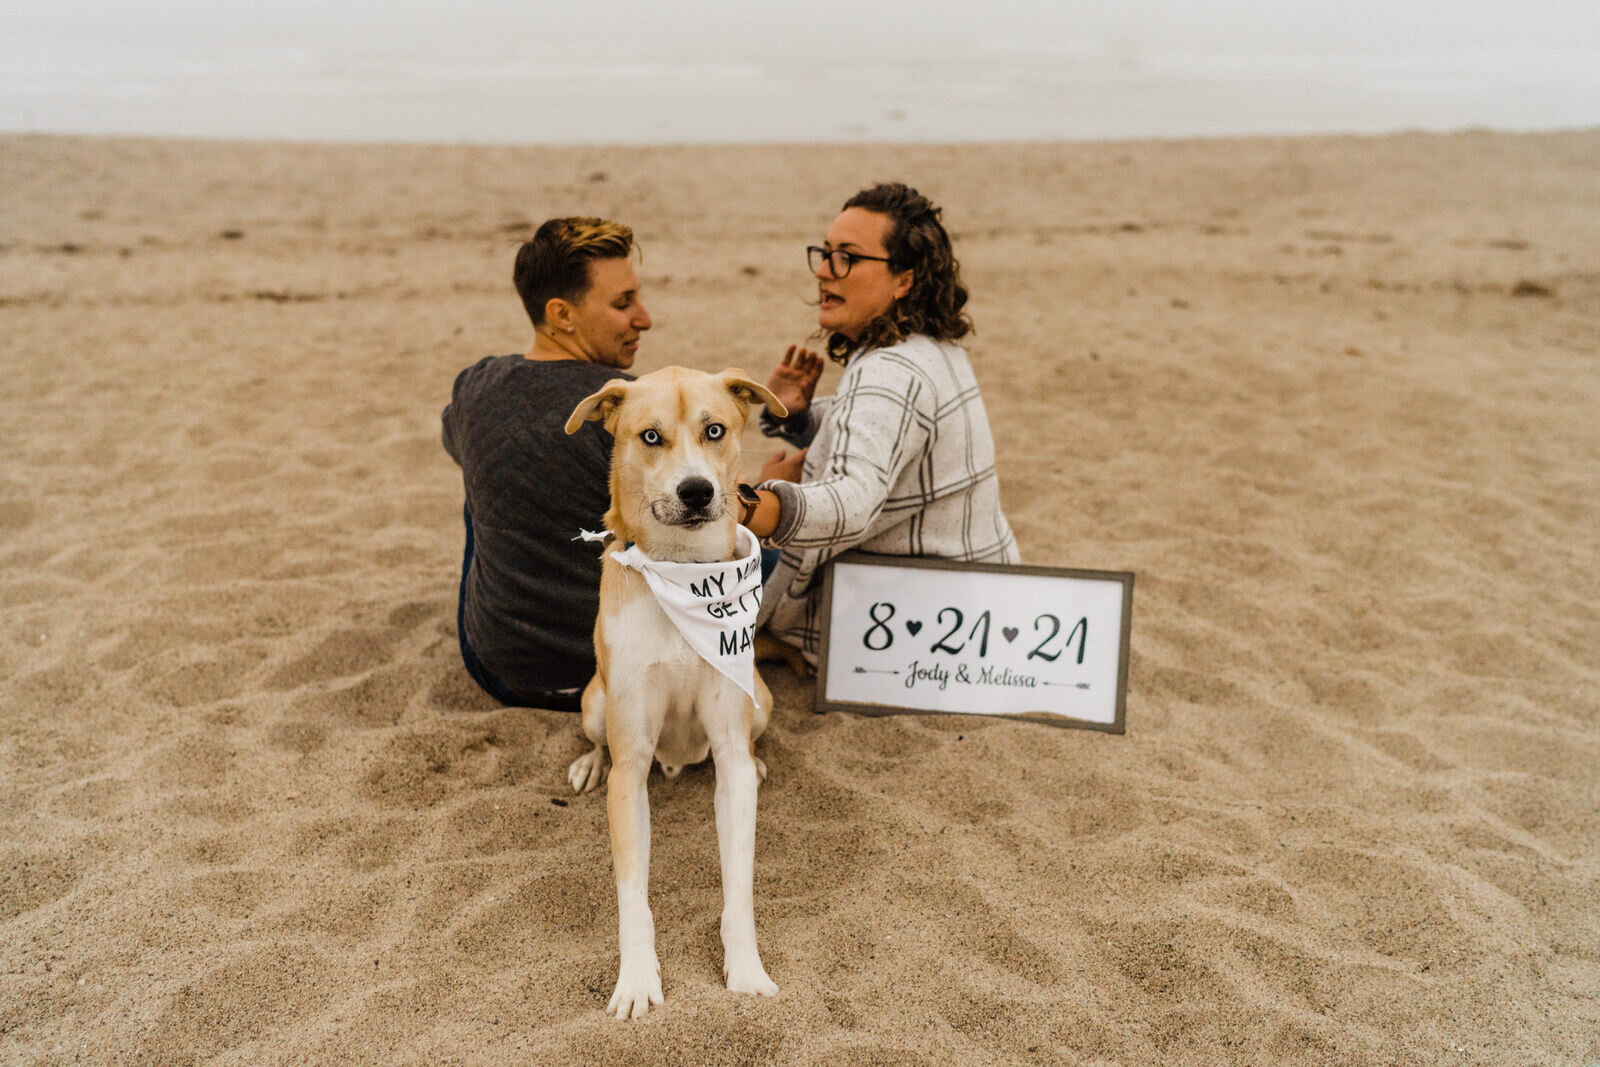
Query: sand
(1334, 401)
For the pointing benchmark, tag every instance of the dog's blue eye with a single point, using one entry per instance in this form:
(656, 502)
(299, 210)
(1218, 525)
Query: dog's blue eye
(651, 437)
(715, 431)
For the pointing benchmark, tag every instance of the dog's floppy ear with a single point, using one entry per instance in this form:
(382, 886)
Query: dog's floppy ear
(748, 392)
(601, 405)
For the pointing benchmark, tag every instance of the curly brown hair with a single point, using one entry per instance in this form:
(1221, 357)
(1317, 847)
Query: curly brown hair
(917, 242)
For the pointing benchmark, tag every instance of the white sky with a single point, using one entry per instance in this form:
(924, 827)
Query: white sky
(821, 29)
(796, 69)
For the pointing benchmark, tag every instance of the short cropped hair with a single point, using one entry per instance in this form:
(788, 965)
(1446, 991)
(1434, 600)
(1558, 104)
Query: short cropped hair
(555, 263)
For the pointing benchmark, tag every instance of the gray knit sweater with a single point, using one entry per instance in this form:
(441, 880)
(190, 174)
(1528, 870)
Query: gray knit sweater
(533, 591)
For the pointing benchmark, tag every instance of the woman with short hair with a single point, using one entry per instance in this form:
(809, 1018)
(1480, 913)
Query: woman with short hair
(529, 593)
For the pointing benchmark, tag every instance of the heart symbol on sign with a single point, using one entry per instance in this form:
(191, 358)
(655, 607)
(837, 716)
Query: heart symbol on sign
(1010, 633)
(913, 625)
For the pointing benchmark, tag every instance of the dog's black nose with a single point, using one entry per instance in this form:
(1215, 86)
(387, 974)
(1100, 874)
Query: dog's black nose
(696, 492)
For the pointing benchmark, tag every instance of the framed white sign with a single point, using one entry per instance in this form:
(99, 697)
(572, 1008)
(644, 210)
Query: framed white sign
(927, 635)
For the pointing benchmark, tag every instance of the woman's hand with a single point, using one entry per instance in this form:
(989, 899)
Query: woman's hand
(795, 379)
(784, 467)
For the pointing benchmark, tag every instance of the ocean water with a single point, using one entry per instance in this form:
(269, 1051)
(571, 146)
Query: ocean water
(490, 72)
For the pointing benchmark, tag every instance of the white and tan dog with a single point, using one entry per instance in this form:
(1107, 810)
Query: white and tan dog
(674, 476)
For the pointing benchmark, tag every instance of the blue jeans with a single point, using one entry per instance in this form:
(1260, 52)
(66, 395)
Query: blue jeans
(554, 699)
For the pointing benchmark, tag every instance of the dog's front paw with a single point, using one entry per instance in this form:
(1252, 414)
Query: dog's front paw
(748, 976)
(587, 771)
(638, 987)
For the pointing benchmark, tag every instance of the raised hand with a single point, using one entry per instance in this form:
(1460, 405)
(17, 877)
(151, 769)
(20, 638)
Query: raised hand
(795, 378)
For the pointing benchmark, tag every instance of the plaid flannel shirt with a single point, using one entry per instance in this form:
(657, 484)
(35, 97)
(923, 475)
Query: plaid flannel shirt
(901, 463)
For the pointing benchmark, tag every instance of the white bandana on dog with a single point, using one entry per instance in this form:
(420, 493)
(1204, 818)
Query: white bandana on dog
(713, 605)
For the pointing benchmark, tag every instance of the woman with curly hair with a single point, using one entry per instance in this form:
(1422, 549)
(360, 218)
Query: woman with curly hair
(899, 460)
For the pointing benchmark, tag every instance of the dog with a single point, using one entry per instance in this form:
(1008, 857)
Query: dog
(674, 477)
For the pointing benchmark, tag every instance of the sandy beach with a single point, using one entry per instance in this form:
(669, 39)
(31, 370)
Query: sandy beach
(1335, 401)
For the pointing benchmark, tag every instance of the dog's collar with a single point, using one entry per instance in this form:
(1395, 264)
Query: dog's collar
(713, 605)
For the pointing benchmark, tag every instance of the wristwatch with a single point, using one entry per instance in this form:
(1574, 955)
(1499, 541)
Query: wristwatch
(750, 499)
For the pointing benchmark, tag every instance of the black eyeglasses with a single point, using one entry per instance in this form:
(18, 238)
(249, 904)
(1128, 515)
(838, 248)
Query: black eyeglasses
(839, 261)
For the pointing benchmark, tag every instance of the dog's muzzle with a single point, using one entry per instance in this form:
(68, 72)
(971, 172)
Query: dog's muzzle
(696, 494)
(689, 506)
